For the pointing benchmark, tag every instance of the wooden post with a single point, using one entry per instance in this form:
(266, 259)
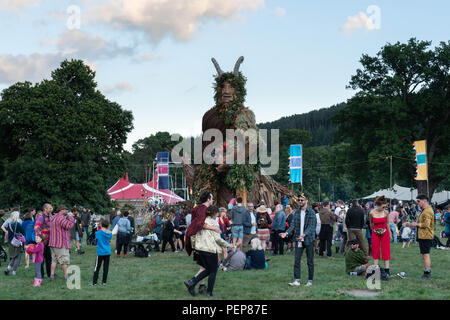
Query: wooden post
(243, 194)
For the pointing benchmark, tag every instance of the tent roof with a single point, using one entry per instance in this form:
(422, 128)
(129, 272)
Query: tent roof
(407, 194)
(123, 189)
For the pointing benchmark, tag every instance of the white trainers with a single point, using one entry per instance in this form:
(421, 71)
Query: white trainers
(295, 283)
(309, 283)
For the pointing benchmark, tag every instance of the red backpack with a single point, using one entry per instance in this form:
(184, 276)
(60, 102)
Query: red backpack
(153, 224)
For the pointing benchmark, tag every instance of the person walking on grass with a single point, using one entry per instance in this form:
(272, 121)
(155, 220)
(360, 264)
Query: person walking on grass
(14, 228)
(379, 223)
(28, 228)
(304, 230)
(60, 242)
(103, 238)
(197, 224)
(425, 233)
(207, 244)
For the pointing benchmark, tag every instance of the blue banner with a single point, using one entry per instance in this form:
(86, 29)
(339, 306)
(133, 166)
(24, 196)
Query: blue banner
(295, 163)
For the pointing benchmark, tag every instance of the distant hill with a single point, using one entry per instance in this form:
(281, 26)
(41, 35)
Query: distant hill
(316, 122)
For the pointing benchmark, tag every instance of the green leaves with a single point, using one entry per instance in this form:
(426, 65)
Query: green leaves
(62, 140)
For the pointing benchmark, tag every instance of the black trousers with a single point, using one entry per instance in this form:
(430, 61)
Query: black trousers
(298, 258)
(278, 242)
(98, 264)
(209, 260)
(325, 237)
(47, 260)
(164, 243)
(122, 241)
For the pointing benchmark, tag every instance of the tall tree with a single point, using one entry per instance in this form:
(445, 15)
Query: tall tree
(62, 140)
(402, 97)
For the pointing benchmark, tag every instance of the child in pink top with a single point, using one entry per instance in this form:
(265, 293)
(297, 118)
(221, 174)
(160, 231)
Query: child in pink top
(38, 257)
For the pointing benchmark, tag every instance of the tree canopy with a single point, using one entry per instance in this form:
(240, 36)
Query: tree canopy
(402, 97)
(62, 140)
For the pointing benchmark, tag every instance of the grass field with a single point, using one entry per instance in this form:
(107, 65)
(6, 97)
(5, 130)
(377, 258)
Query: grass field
(161, 276)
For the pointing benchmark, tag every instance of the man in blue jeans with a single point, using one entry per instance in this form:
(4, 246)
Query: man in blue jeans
(238, 214)
(303, 227)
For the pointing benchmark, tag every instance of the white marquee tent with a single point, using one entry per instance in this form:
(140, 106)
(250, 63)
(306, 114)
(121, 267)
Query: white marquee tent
(408, 194)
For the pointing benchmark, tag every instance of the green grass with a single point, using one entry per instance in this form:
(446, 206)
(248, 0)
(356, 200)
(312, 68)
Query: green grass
(161, 277)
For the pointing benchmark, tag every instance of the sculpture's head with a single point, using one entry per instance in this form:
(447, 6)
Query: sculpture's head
(229, 86)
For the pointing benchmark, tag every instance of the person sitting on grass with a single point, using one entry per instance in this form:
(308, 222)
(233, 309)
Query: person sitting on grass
(356, 261)
(256, 258)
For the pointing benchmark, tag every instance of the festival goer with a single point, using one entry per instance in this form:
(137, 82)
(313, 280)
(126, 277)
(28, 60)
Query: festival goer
(225, 229)
(2, 232)
(207, 245)
(250, 226)
(264, 221)
(197, 224)
(343, 242)
(14, 228)
(42, 227)
(279, 226)
(379, 223)
(326, 229)
(168, 233)
(237, 228)
(60, 241)
(28, 227)
(116, 218)
(123, 235)
(447, 224)
(425, 233)
(256, 257)
(78, 230)
(289, 241)
(304, 230)
(354, 220)
(103, 238)
(37, 252)
(393, 220)
(356, 261)
(112, 215)
(85, 221)
(367, 209)
(406, 235)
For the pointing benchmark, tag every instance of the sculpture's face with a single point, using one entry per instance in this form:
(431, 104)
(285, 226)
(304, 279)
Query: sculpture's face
(227, 93)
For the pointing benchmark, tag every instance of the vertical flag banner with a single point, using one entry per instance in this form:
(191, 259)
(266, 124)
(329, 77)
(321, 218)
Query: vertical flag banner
(295, 163)
(420, 148)
(162, 160)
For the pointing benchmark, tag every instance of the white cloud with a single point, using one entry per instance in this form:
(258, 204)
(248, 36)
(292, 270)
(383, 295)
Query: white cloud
(359, 21)
(76, 43)
(17, 5)
(118, 88)
(33, 68)
(161, 18)
(280, 12)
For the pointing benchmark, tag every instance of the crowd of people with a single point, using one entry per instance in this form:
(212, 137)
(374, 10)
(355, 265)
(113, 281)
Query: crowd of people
(238, 237)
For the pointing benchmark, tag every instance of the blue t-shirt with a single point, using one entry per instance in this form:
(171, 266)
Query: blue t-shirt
(28, 227)
(103, 245)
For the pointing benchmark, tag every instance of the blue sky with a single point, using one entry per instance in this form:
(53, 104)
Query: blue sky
(154, 57)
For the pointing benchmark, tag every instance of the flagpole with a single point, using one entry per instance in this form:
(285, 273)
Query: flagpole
(428, 184)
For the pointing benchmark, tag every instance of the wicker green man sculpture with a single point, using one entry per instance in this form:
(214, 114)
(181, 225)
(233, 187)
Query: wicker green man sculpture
(227, 180)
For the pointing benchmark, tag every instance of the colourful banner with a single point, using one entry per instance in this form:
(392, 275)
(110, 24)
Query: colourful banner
(420, 149)
(295, 163)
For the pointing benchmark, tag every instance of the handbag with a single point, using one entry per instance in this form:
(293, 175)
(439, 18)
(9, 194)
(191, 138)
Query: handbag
(115, 229)
(380, 231)
(16, 241)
